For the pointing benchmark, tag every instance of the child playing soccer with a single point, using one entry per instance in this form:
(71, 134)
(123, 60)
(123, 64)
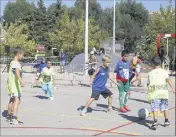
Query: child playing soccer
(122, 71)
(14, 84)
(101, 76)
(47, 79)
(158, 91)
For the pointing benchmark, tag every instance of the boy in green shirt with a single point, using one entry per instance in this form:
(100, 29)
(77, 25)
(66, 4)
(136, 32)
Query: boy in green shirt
(158, 91)
(14, 84)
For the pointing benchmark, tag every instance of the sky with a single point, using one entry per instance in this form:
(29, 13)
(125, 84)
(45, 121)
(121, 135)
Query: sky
(151, 5)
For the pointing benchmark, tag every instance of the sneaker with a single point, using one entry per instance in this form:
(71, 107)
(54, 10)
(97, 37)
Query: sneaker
(122, 109)
(15, 121)
(9, 118)
(126, 108)
(166, 123)
(83, 112)
(51, 98)
(154, 125)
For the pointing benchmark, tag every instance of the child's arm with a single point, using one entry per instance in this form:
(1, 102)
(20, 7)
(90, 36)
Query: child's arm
(171, 84)
(19, 77)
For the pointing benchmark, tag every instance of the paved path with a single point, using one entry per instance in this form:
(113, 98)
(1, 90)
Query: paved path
(61, 116)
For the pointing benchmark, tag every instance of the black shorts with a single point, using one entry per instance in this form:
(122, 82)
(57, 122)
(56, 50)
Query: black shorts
(105, 94)
(91, 71)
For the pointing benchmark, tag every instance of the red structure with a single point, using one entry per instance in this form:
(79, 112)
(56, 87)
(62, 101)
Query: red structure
(159, 37)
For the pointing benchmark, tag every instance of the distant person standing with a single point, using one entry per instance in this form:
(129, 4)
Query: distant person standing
(62, 56)
(92, 62)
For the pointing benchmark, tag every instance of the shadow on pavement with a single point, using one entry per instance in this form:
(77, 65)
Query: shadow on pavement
(106, 106)
(41, 97)
(4, 113)
(89, 110)
(137, 120)
(139, 100)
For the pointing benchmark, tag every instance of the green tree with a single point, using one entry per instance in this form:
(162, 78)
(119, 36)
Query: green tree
(131, 18)
(160, 22)
(17, 10)
(69, 35)
(17, 35)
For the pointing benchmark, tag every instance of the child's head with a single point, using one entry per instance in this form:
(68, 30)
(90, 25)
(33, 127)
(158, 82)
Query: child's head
(125, 55)
(106, 60)
(19, 53)
(48, 63)
(156, 61)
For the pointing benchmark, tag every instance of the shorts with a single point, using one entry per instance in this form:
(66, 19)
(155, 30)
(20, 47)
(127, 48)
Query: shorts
(159, 104)
(12, 95)
(124, 87)
(105, 94)
(91, 71)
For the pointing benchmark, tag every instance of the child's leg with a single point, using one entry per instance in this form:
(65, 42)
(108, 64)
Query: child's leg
(154, 108)
(50, 89)
(10, 106)
(164, 107)
(127, 95)
(110, 102)
(17, 102)
(121, 94)
(89, 102)
(45, 88)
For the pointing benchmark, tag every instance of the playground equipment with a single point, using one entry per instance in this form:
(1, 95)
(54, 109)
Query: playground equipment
(158, 47)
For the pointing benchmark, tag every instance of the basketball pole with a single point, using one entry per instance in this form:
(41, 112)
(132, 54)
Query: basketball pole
(114, 27)
(86, 36)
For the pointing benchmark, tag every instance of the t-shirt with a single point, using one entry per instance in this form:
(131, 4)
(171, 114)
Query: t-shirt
(42, 65)
(123, 71)
(157, 84)
(13, 83)
(47, 75)
(100, 80)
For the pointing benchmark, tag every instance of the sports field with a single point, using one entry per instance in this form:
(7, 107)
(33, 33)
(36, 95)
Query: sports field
(62, 115)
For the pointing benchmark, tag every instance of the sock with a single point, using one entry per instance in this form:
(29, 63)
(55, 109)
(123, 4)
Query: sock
(166, 120)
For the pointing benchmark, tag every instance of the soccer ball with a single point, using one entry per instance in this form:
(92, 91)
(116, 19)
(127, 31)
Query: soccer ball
(143, 113)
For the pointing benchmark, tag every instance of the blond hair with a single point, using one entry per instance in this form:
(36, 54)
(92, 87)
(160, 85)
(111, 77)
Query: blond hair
(107, 59)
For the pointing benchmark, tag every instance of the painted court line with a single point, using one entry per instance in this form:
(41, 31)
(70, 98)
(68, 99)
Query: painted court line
(129, 123)
(78, 129)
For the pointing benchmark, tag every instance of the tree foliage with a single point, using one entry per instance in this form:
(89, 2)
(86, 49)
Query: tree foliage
(17, 35)
(160, 22)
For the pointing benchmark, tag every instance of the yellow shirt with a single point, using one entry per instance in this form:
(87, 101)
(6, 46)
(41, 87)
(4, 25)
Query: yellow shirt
(47, 75)
(157, 84)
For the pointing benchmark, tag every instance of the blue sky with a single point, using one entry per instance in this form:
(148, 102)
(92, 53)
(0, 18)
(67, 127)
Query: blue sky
(151, 5)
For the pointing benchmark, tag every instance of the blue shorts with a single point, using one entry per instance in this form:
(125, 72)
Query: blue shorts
(159, 104)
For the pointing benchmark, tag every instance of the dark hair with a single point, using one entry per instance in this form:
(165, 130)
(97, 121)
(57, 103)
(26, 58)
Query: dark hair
(124, 52)
(48, 60)
(156, 61)
(18, 50)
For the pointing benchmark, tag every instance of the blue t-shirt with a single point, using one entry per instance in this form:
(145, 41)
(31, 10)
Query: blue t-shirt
(123, 69)
(42, 65)
(100, 80)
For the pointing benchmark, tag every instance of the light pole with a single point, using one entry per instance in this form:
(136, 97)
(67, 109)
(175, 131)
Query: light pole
(114, 27)
(86, 35)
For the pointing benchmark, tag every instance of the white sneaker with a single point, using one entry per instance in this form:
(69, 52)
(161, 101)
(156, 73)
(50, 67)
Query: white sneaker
(83, 112)
(51, 98)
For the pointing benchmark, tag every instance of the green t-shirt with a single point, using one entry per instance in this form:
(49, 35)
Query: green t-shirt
(47, 75)
(13, 83)
(157, 84)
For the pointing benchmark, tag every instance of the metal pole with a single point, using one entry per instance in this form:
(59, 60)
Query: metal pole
(86, 35)
(114, 27)
(167, 47)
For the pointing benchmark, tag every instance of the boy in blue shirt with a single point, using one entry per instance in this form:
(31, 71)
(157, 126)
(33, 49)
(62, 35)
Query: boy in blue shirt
(122, 71)
(99, 85)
